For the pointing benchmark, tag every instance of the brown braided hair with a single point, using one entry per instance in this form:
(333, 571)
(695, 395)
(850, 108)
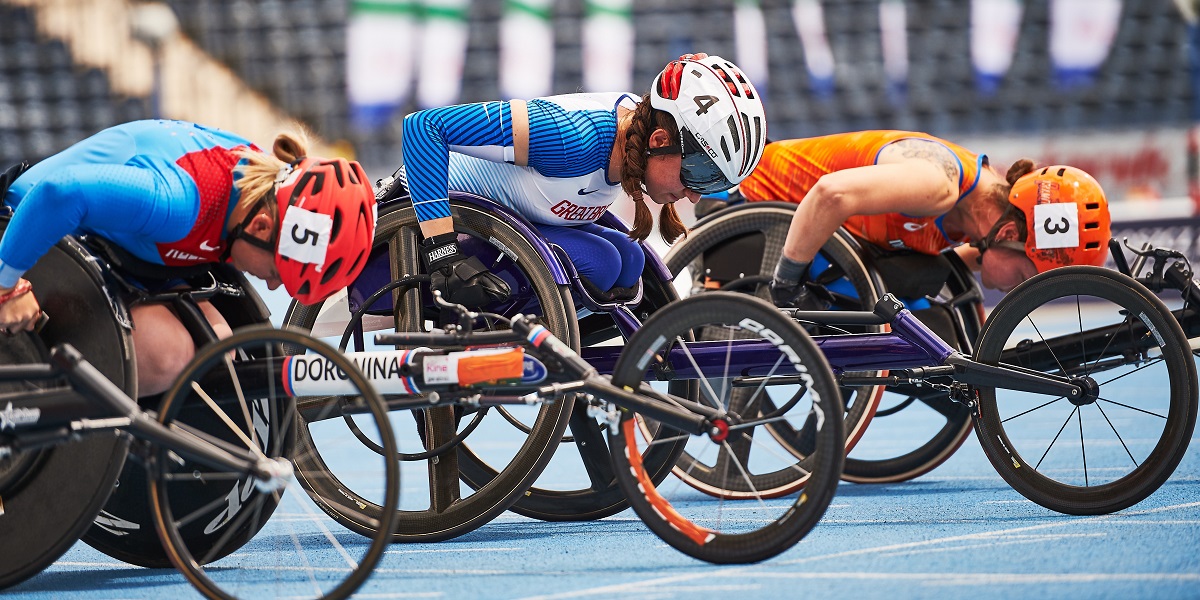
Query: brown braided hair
(644, 120)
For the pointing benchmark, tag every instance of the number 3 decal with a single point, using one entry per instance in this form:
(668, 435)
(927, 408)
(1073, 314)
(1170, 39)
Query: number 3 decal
(1054, 228)
(1058, 225)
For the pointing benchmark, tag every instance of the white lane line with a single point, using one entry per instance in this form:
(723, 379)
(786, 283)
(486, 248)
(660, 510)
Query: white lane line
(758, 570)
(445, 550)
(992, 578)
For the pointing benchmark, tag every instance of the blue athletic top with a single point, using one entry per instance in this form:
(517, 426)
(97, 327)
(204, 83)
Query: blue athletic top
(469, 148)
(162, 190)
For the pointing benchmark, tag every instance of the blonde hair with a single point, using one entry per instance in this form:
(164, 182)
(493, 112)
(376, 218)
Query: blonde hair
(257, 176)
(642, 123)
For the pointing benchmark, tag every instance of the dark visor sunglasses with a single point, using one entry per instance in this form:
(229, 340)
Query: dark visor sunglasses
(697, 170)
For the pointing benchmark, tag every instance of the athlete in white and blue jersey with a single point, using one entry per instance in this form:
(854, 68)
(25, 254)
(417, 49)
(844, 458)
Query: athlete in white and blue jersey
(701, 129)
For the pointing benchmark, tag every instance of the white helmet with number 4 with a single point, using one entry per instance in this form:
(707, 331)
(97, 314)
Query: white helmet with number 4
(722, 123)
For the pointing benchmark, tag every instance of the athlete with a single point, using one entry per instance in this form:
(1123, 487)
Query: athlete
(562, 161)
(904, 190)
(179, 194)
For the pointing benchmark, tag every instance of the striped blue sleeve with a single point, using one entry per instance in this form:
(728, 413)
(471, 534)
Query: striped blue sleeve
(428, 136)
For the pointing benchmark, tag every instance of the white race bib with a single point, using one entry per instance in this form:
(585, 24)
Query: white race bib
(1056, 225)
(304, 235)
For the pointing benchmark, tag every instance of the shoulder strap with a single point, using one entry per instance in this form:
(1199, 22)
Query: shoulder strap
(520, 132)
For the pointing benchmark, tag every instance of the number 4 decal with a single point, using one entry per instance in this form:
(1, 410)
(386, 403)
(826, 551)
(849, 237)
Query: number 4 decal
(704, 103)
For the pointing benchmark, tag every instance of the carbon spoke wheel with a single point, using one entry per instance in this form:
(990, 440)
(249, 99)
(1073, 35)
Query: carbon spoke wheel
(1115, 445)
(783, 365)
(465, 485)
(249, 385)
(736, 250)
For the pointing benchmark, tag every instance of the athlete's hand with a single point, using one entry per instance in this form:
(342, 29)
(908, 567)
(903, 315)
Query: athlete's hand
(460, 278)
(795, 296)
(20, 313)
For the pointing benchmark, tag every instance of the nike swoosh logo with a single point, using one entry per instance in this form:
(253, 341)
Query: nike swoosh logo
(585, 191)
(205, 247)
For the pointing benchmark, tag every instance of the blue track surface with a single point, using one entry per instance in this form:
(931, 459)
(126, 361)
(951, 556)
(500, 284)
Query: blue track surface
(959, 531)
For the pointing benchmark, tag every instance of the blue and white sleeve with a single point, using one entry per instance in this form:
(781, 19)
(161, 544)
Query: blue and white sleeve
(430, 134)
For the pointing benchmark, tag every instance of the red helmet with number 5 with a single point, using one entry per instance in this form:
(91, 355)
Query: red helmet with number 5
(1066, 217)
(326, 224)
(721, 119)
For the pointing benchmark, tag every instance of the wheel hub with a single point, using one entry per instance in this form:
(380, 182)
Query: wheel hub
(1090, 391)
(719, 431)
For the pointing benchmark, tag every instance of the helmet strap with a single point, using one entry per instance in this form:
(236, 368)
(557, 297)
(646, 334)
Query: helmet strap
(673, 149)
(239, 233)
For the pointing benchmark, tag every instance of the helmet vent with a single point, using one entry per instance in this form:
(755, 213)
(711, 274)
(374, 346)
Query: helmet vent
(331, 270)
(1092, 206)
(1092, 245)
(1062, 172)
(731, 123)
(725, 149)
(1092, 225)
(730, 84)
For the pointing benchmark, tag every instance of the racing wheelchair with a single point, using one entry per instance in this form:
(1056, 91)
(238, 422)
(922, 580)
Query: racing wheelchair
(750, 236)
(468, 487)
(540, 278)
(184, 478)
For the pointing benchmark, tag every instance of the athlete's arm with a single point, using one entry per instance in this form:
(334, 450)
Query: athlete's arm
(904, 181)
(110, 198)
(429, 135)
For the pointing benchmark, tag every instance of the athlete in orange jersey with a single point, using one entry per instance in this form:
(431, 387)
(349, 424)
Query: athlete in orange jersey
(910, 190)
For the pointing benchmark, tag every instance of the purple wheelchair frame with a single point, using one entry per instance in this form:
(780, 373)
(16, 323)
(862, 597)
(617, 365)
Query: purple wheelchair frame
(909, 345)
(377, 273)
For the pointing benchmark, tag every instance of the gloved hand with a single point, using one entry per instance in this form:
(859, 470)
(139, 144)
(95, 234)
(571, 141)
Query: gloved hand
(796, 296)
(460, 278)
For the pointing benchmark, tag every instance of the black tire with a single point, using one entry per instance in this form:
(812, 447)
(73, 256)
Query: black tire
(602, 496)
(737, 250)
(957, 316)
(451, 511)
(239, 379)
(49, 497)
(762, 528)
(1135, 442)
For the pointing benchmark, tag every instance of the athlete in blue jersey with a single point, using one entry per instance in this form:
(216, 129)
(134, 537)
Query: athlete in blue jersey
(180, 194)
(562, 161)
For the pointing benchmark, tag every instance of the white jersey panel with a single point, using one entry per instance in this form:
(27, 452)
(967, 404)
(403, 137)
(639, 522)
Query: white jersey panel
(541, 199)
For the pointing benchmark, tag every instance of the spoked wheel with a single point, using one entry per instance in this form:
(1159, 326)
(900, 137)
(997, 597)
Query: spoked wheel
(457, 485)
(584, 486)
(1118, 443)
(248, 383)
(736, 250)
(915, 429)
(781, 364)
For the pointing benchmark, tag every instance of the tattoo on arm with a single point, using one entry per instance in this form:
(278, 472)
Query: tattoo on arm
(932, 152)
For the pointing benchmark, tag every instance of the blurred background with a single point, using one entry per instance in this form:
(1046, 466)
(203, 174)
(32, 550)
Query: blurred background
(1106, 85)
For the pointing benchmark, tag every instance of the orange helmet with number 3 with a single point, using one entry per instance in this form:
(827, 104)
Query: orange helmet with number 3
(1066, 217)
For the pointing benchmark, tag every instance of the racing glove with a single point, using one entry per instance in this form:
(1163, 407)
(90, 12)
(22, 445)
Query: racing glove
(460, 278)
